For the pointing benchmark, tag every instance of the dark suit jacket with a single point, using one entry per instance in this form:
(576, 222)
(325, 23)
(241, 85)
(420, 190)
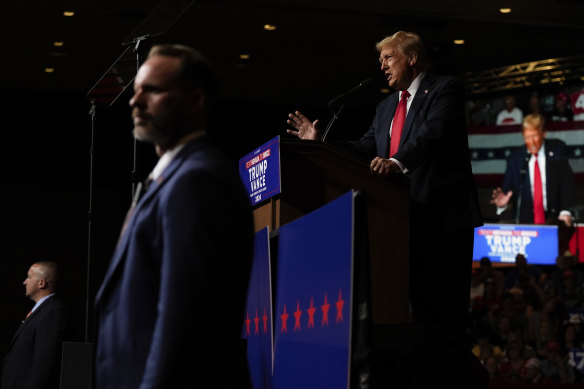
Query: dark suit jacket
(170, 308)
(434, 147)
(559, 181)
(34, 354)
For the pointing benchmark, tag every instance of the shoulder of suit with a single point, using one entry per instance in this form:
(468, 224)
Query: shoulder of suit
(53, 301)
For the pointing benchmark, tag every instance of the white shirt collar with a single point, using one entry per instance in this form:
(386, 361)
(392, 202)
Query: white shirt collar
(413, 88)
(168, 155)
(38, 303)
(164, 161)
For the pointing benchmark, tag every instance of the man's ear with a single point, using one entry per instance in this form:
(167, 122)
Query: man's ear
(196, 100)
(43, 283)
(413, 59)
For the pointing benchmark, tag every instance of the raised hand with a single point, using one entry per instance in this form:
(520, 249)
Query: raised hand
(304, 128)
(500, 198)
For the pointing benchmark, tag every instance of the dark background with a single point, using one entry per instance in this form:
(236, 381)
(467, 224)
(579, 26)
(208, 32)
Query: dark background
(53, 148)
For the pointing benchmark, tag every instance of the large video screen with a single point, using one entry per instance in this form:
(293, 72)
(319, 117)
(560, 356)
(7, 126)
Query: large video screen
(502, 242)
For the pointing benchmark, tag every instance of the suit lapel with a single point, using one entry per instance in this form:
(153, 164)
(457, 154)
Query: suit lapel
(154, 187)
(27, 321)
(550, 177)
(385, 124)
(417, 103)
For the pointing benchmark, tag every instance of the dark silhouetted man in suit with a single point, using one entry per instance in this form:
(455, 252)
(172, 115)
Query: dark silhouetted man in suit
(34, 354)
(170, 308)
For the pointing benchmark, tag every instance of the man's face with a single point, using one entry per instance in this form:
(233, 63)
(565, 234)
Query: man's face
(396, 67)
(158, 105)
(31, 283)
(533, 138)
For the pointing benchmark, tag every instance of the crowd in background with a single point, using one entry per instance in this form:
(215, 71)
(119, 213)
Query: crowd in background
(526, 321)
(561, 105)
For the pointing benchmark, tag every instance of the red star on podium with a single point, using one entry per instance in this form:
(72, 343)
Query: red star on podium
(265, 321)
(256, 322)
(297, 315)
(247, 322)
(325, 308)
(311, 314)
(339, 305)
(284, 317)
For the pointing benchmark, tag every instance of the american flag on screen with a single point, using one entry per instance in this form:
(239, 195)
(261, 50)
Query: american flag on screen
(490, 146)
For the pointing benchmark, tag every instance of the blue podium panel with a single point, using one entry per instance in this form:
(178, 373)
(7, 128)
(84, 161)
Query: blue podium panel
(314, 299)
(258, 323)
(502, 242)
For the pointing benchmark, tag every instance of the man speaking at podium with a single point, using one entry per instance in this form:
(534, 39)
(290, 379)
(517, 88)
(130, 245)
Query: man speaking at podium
(420, 132)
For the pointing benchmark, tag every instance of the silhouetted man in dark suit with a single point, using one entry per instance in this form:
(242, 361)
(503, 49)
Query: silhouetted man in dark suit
(170, 308)
(34, 354)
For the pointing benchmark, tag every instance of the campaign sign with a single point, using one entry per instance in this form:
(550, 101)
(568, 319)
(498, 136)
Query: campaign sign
(312, 334)
(257, 321)
(260, 171)
(502, 243)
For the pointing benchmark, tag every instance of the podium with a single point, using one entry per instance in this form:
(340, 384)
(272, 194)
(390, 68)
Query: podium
(313, 174)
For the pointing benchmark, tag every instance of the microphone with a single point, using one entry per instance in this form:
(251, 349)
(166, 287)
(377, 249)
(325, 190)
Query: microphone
(525, 164)
(351, 92)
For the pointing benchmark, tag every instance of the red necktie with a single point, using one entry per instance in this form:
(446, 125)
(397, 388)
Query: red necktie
(538, 211)
(398, 122)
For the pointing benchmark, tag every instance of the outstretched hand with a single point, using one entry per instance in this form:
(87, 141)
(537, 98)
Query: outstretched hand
(304, 128)
(500, 198)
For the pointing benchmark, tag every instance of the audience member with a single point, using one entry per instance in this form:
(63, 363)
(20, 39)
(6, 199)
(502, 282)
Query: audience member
(477, 292)
(534, 107)
(554, 367)
(528, 273)
(492, 275)
(571, 292)
(566, 264)
(34, 353)
(547, 332)
(502, 331)
(549, 316)
(561, 111)
(571, 338)
(511, 114)
(479, 113)
(533, 373)
(493, 367)
(513, 366)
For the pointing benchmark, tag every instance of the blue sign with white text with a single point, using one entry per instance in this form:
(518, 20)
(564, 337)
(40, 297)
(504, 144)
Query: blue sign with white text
(502, 243)
(260, 171)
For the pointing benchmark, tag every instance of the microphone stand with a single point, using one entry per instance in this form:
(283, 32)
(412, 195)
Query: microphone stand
(89, 220)
(139, 50)
(330, 123)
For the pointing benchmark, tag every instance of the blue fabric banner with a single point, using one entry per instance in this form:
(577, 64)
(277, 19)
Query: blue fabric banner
(314, 297)
(258, 324)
